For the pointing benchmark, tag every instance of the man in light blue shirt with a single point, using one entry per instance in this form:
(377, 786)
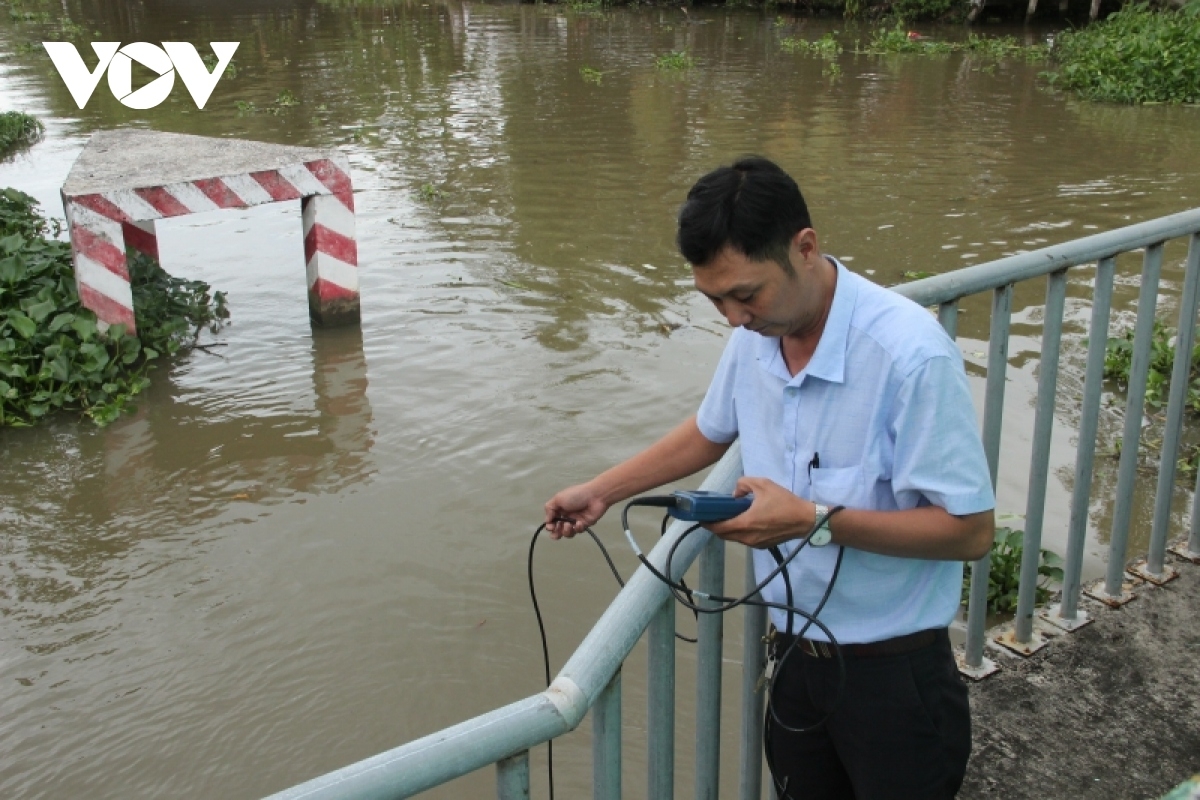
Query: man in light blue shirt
(852, 407)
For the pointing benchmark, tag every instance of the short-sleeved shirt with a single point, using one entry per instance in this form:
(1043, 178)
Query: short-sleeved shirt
(881, 418)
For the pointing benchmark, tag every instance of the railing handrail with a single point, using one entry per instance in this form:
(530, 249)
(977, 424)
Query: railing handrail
(960, 283)
(483, 740)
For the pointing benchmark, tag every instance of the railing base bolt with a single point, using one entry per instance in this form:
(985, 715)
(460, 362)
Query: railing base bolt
(1052, 616)
(1097, 593)
(1180, 549)
(1140, 568)
(986, 668)
(1039, 638)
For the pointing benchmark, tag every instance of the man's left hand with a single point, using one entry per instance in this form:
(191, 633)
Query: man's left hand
(776, 516)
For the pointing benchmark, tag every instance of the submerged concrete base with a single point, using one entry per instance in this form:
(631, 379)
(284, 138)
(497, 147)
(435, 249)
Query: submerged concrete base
(1111, 711)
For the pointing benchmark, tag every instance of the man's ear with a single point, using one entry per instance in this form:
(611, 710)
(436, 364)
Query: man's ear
(805, 243)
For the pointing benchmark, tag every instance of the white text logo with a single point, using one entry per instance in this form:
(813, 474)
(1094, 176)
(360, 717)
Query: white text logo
(165, 61)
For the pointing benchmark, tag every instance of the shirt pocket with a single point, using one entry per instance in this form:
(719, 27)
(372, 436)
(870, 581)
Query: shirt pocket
(838, 486)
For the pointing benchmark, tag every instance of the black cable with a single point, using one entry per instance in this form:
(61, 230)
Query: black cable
(747, 599)
(542, 627)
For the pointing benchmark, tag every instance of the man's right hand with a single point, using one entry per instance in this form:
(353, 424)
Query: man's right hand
(573, 509)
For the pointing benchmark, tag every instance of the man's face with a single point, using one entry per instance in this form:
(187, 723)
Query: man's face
(757, 295)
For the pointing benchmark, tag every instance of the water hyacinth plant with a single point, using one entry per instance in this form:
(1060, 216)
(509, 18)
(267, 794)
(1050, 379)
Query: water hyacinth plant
(53, 356)
(1137, 55)
(1004, 576)
(18, 129)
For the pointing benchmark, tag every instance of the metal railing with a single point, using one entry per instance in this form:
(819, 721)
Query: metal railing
(1053, 263)
(591, 679)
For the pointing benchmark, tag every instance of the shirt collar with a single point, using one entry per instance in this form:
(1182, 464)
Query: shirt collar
(829, 359)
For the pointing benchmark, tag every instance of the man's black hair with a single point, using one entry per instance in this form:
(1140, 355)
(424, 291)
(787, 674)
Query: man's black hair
(752, 206)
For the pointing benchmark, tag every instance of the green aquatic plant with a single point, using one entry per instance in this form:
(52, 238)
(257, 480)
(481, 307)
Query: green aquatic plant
(18, 129)
(1118, 361)
(53, 355)
(590, 75)
(1137, 55)
(428, 193)
(1004, 577)
(677, 61)
(891, 40)
(827, 46)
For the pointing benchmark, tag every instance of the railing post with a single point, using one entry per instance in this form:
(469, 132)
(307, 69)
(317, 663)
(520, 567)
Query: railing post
(660, 712)
(708, 677)
(993, 413)
(754, 659)
(1068, 615)
(512, 777)
(948, 318)
(1180, 372)
(606, 742)
(1039, 467)
(1134, 407)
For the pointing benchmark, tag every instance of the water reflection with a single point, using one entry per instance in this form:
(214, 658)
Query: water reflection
(78, 503)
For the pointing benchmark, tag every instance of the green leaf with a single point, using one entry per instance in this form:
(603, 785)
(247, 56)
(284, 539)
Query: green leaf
(60, 321)
(39, 311)
(12, 269)
(22, 324)
(85, 327)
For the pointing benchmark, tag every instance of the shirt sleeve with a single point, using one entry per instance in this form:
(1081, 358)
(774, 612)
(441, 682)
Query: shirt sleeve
(717, 417)
(939, 457)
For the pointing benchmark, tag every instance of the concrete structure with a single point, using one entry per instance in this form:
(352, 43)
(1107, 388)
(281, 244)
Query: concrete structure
(124, 180)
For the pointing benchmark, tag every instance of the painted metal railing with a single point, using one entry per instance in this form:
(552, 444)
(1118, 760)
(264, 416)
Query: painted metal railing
(591, 679)
(1053, 263)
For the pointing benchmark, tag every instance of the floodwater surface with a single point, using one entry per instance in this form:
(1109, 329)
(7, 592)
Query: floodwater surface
(305, 547)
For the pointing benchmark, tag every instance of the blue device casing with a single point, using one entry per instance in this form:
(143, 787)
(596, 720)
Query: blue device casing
(701, 506)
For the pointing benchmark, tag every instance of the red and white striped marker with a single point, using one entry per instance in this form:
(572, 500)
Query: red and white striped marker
(124, 180)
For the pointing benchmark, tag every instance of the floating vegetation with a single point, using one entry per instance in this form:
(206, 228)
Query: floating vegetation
(1134, 56)
(53, 355)
(429, 193)
(590, 75)
(284, 100)
(888, 41)
(676, 61)
(827, 46)
(18, 129)
(211, 62)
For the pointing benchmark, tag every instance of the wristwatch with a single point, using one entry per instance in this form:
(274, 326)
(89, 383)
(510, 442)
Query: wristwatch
(821, 535)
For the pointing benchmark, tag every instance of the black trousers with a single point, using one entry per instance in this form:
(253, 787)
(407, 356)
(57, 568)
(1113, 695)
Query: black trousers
(901, 730)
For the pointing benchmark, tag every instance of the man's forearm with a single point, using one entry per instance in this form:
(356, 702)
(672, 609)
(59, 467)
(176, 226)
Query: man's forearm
(927, 532)
(682, 452)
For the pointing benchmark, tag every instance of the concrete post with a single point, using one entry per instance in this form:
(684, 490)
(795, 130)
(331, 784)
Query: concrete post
(125, 180)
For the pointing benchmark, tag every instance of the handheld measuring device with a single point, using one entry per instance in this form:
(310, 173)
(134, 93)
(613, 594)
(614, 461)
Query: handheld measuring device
(701, 506)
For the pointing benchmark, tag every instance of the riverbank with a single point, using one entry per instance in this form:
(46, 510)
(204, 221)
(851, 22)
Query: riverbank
(1107, 712)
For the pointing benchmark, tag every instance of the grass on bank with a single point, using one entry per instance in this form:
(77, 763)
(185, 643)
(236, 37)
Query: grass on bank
(18, 129)
(53, 356)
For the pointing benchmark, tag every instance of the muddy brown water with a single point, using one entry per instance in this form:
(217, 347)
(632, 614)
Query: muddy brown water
(302, 549)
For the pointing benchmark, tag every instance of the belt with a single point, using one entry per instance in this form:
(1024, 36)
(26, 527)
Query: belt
(888, 647)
